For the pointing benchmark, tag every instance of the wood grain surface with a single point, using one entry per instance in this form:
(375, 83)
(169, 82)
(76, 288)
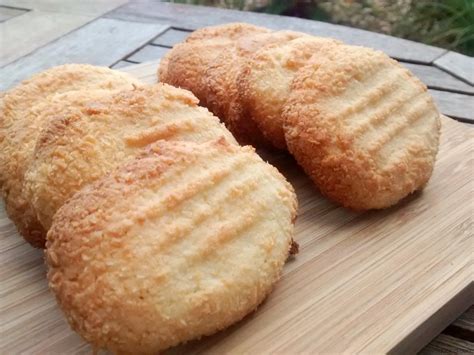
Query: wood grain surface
(7, 13)
(148, 53)
(458, 64)
(445, 344)
(361, 282)
(85, 7)
(122, 64)
(455, 105)
(171, 37)
(101, 42)
(18, 37)
(466, 321)
(437, 79)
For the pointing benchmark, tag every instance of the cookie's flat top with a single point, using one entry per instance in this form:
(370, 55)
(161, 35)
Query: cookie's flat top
(20, 125)
(89, 133)
(364, 128)
(180, 242)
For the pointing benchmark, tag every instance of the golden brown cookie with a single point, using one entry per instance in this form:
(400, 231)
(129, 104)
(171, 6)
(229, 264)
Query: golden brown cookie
(177, 244)
(264, 82)
(197, 64)
(223, 95)
(186, 63)
(185, 66)
(91, 132)
(362, 127)
(162, 71)
(21, 122)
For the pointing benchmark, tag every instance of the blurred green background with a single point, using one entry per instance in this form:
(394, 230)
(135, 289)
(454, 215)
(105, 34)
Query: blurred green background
(443, 23)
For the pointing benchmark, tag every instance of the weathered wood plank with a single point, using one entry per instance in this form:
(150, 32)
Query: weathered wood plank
(171, 37)
(192, 17)
(23, 34)
(433, 326)
(146, 72)
(457, 64)
(463, 327)
(102, 42)
(445, 344)
(435, 78)
(455, 105)
(7, 13)
(84, 7)
(122, 64)
(148, 53)
(466, 321)
(20, 273)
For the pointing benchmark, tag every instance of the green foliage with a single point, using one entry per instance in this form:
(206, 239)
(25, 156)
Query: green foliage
(444, 23)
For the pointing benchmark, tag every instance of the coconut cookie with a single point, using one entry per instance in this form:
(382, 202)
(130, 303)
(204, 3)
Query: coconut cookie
(20, 124)
(177, 244)
(92, 132)
(362, 127)
(265, 80)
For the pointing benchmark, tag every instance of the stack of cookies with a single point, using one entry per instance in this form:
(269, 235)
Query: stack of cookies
(362, 127)
(158, 227)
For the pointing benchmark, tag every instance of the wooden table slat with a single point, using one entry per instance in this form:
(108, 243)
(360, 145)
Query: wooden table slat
(435, 78)
(192, 17)
(445, 344)
(17, 34)
(101, 42)
(7, 13)
(466, 321)
(171, 37)
(436, 322)
(122, 64)
(84, 7)
(148, 53)
(146, 72)
(457, 64)
(455, 105)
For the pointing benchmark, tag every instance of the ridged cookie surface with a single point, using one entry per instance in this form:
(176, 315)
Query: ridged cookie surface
(176, 244)
(223, 95)
(21, 122)
(264, 82)
(92, 132)
(362, 127)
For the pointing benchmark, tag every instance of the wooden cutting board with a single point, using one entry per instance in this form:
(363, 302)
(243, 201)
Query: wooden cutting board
(373, 282)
